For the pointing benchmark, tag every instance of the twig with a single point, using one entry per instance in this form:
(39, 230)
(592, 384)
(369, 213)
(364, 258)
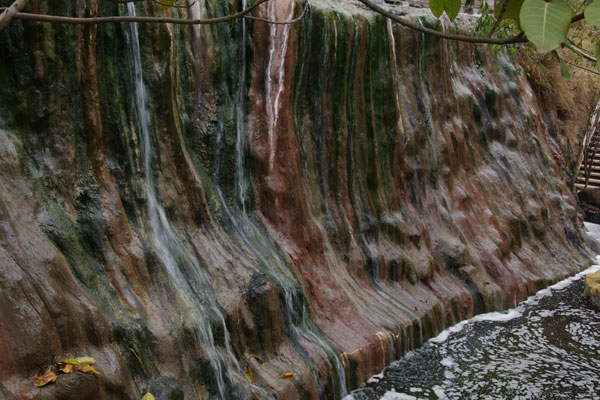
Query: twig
(173, 5)
(136, 356)
(581, 66)
(580, 52)
(497, 23)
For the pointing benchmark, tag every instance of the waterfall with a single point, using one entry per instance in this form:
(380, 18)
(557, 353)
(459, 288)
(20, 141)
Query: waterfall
(241, 142)
(299, 322)
(278, 43)
(192, 284)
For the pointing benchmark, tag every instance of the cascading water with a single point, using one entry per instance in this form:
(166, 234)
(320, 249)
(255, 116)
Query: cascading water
(278, 44)
(192, 285)
(241, 143)
(298, 321)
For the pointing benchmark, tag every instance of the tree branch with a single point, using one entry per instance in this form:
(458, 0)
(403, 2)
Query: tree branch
(579, 52)
(11, 12)
(291, 21)
(581, 67)
(127, 18)
(440, 34)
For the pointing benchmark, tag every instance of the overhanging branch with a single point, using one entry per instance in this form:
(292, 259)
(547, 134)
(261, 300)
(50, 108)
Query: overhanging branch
(127, 18)
(11, 12)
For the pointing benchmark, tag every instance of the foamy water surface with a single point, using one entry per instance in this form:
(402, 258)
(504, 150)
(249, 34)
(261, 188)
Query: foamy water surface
(546, 348)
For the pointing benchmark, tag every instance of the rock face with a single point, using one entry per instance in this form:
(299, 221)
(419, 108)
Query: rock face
(234, 202)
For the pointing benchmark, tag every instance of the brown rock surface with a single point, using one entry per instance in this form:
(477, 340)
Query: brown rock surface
(329, 197)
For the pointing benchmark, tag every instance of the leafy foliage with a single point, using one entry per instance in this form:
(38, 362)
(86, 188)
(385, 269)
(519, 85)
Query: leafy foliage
(451, 7)
(545, 24)
(592, 13)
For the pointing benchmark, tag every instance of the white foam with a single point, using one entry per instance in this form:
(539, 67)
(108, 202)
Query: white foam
(375, 378)
(439, 392)
(397, 396)
(500, 316)
(448, 362)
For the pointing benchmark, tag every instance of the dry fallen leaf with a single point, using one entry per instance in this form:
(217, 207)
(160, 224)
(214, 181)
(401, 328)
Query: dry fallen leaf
(248, 374)
(65, 368)
(85, 360)
(88, 369)
(288, 375)
(45, 378)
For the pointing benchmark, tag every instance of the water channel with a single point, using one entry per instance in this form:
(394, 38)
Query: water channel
(546, 348)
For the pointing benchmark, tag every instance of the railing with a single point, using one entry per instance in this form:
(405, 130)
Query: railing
(590, 145)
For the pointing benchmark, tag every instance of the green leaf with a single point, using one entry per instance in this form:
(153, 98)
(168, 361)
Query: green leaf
(437, 7)
(592, 13)
(564, 70)
(545, 24)
(452, 8)
(513, 7)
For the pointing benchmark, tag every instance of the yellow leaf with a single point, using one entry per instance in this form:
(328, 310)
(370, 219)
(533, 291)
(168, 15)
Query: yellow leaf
(85, 360)
(88, 369)
(148, 396)
(45, 378)
(70, 361)
(288, 375)
(65, 368)
(248, 374)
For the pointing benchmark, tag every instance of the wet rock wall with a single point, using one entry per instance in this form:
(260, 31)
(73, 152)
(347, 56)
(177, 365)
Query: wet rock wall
(346, 187)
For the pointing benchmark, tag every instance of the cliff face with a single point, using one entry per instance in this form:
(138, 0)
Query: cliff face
(192, 206)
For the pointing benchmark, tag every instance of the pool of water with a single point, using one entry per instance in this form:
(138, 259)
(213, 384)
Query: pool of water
(546, 348)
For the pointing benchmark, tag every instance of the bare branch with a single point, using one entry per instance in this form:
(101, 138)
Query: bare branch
(11, 12)
(172, 5)
(520, 38)
(127, 18)
(580, 52)
(124, 1)
(581, 67)
(499, 19)
(291, 21)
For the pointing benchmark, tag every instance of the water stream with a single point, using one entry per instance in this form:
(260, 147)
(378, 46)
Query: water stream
(295, 309)
(191, 282)
(546, 348)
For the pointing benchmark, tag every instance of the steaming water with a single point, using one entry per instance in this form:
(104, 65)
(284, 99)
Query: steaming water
(192, 284)
(547, 348)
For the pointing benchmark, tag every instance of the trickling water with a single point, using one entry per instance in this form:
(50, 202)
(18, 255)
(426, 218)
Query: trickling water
(241, 142)
(278, 44)
(298, 318)
(193, 287)
(547, 348)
